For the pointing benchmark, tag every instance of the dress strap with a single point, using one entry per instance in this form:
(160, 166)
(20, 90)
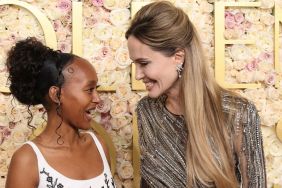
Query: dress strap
(37, 151)
(100, 148)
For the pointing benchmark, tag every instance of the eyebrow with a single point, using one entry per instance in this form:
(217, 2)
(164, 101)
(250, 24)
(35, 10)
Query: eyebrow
(140, 60)
(91, 82)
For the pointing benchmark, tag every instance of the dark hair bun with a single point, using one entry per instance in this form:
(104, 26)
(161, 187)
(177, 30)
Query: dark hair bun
(24, 63)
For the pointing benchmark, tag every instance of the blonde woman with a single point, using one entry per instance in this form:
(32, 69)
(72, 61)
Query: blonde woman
(193, 133)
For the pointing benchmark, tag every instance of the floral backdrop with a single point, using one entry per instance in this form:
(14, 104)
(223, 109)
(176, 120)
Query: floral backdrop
(104, 45)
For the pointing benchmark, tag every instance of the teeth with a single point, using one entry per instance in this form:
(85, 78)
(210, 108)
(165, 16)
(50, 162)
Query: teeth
(149, 84)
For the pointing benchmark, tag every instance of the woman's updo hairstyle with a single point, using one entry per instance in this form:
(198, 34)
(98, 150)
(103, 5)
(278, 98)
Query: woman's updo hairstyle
(33, 68)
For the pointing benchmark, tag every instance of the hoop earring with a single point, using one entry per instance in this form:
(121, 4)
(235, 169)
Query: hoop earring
(179, 69)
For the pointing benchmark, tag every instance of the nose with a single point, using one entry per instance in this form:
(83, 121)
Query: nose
(139, 74)
(96, 97)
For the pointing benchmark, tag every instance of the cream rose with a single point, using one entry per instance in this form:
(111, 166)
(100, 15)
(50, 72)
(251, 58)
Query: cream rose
(119, 108)
(128, 183)
(122, 58)
(126, 132)
(104, 106)
(125, 170)
(123, 91)
(120, 122)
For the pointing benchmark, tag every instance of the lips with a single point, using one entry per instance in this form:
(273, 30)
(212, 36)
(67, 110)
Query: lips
(149, 84)
(89, 113)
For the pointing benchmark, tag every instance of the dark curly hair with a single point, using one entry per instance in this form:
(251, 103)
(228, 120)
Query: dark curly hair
(33, 68)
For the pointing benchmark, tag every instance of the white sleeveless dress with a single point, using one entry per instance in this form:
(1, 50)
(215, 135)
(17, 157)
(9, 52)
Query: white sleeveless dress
(51, 178)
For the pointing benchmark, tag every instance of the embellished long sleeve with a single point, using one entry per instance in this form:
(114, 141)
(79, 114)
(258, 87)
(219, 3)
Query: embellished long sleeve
(249, 147)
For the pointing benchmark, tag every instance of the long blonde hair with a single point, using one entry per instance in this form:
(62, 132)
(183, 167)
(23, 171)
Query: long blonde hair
(209, 156)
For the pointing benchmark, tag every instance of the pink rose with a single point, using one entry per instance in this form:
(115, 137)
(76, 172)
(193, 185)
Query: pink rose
(247, 24)
(64, 5)
(265, 56)
(98, 3)
(253, 65)
(270, 79)
(104, 106)
(239, 17)
(229, 20)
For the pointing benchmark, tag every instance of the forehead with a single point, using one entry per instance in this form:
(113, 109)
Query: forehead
(79, 70)
(137, 49)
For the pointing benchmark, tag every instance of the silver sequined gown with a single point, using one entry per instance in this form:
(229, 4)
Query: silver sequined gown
(162, 138)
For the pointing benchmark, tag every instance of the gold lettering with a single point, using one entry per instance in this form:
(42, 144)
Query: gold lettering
(49, 33)
(278, 19)
(279, 130)
(220, 42)
(77, 28)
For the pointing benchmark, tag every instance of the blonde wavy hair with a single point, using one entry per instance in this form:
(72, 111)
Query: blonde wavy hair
(209, 157)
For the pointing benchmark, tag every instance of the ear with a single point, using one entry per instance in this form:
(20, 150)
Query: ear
(179, 56)
(54, 94)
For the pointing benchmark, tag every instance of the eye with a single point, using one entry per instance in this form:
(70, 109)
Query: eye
(143, 63)
(90, 90)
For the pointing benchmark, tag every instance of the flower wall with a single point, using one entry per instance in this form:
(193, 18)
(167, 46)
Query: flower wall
(104, 45)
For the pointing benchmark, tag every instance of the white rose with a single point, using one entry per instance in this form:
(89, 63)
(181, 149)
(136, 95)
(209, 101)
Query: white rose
(259, 75)
(119, 17)
(110, 64)
(276, 148)
(239, 52)
(272, 93)
(120, 77)
(123, 4)
(244, 76)
(110, 4)
(269, 118)
(267, 19)
(115, 43)
(206, 7)
(103, 31)
(267, 4)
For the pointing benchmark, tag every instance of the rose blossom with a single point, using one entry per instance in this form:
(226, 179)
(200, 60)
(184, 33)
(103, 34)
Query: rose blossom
(98, 3)
(239, 17)
(118, 108)
(104, 106)
(229, 20)
(125, 170)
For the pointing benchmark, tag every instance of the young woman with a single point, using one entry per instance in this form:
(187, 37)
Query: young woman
(61, 156)
(193, 133)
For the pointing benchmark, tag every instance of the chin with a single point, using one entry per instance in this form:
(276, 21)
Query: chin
(154, 95)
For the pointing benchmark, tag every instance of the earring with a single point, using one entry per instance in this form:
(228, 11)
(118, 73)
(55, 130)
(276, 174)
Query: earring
(179, 68)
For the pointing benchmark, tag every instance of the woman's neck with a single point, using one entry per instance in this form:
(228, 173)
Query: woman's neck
(57, 132)
(174, 101)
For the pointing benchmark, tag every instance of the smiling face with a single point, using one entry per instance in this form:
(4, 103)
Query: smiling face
(157, 71)
(78, 94)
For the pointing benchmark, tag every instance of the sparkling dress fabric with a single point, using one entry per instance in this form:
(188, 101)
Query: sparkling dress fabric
(163, 135)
